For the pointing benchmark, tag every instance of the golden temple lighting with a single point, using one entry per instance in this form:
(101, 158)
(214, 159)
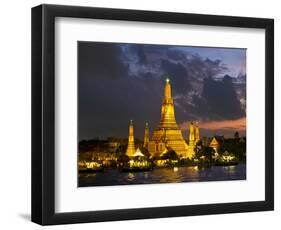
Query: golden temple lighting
(131, 144)
(168, 133)
(214, 144)
(146, 136)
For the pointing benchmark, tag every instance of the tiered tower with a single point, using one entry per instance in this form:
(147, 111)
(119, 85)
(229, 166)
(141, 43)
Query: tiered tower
(192, 139)
(168, 120)
(197, 137)
(146, 136)
(191, 134)
(168, 134)
(131, 144)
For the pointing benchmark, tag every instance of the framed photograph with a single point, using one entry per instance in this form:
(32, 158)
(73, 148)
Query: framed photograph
(142, 114)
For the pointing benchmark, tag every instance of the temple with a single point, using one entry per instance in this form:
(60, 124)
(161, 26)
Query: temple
(131, 144)
(197, 136)
(168, 134)
(146, 136)
(214, 144)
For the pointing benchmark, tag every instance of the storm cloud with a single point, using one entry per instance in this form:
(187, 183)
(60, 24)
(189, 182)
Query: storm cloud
(99, 60)
(119, 82)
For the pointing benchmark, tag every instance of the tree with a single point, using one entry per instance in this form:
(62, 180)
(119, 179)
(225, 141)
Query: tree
(209, 153)
(205, 151)
(170, 155)
(85, 156)
(197, 148)
(123, 159)
(238, 148)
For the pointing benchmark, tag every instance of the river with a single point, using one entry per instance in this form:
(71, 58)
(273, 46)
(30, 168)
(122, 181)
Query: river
(164, 175)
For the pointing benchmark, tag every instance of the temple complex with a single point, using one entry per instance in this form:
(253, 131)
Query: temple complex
(167, 135)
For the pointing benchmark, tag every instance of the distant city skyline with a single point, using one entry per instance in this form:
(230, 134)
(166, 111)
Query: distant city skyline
(122, 82)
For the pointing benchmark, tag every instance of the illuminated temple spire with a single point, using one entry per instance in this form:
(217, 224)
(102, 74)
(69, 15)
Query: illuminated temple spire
(146, 136)
(168, 111)
(197, 137)
(168, 134)
(131, 145)
(191, 134)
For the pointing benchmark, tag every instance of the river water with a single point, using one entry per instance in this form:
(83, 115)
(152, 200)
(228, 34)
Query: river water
(164, 175)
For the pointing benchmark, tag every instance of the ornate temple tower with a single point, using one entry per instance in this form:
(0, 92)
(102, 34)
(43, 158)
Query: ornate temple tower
(192, 139)
(168, 134)
(191, 134)
(146, 136)
(197, 137)
(168, 111)
(131, 145)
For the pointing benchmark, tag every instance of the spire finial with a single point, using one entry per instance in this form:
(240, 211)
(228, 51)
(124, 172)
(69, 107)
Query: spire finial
(167, 80)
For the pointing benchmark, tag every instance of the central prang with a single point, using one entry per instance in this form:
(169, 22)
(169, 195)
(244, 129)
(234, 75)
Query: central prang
(167, 136)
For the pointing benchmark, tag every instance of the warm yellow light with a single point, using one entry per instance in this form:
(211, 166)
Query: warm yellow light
(167, 80)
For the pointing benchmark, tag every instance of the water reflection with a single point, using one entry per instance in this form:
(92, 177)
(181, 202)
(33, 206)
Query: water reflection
(230, 168)
(165, 175)
(131, 177)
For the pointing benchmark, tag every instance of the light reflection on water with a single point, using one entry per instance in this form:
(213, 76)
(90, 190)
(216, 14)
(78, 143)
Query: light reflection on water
(131, 177)
(165, 175)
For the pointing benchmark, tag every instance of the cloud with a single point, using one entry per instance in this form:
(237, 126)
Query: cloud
(119, 82)
(224, 127)
(99, 60)
(178, 72)
(139, 53)
(176, 55)
(238, 124)
(107, 110)
(221, 98)
(216, 100)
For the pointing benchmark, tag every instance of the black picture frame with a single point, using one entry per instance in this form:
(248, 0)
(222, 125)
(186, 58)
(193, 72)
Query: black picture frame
(43, 110)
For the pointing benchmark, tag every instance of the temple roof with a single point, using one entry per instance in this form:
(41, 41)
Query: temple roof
(214, 142)
(138, 153)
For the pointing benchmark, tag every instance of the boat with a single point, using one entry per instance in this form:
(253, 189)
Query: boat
(227, 159)
(138, 163)
(91, 167)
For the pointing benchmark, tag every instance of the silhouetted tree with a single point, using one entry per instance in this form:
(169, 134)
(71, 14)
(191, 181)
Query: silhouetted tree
(170, 155)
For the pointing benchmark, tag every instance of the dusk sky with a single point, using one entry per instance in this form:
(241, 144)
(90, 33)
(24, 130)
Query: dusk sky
(122, 82)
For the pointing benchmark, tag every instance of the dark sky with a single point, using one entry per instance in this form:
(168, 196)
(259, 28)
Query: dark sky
(119, 82)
